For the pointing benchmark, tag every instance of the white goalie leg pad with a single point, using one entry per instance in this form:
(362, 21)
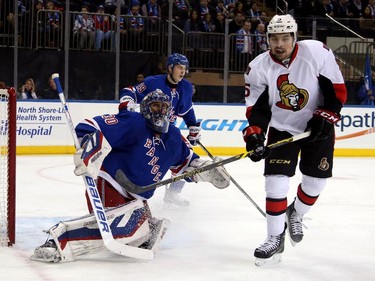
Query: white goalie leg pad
(81, 236)
(218, 176)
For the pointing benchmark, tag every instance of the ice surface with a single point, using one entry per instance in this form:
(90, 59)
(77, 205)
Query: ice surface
(213, 239)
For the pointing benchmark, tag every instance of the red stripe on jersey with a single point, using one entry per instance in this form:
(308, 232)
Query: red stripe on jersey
(341, 92)
(275, 207)
(305, 198)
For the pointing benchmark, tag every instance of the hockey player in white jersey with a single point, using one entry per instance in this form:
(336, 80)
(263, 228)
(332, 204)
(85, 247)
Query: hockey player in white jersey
(295, 87)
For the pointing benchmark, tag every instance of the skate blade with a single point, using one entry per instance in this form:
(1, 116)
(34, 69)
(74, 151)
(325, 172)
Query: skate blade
(276, 258)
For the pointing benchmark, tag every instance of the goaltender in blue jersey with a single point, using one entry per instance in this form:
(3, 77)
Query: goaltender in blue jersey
(180, 92)
(143, 147)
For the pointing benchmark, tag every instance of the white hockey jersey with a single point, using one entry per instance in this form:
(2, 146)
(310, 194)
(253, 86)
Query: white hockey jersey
(285, 97)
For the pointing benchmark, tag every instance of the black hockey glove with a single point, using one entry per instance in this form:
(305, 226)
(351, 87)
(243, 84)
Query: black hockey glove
(321, 124)
(254, 138)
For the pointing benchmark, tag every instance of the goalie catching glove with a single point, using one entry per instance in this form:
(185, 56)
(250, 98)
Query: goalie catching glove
(218, 176)
(90, 157)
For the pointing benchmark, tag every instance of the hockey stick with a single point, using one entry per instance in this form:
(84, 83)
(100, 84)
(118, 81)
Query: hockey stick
(133, 188)
(357, 134)
(95, 200)
(234, 181)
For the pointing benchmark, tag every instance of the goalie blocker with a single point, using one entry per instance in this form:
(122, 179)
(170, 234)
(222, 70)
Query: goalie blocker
(131, 224)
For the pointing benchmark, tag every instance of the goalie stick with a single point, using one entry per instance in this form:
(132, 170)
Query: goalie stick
(234, 181)
(136, 189)
(92, 191)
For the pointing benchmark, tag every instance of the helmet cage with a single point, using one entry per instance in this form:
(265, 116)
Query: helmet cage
(156, 120)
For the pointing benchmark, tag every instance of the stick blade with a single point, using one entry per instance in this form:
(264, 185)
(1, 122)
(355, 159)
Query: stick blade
(129, 251)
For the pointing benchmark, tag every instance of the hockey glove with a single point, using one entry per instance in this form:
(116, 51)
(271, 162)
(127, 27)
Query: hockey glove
(194, 134)
(90, 157)
(127, 103)
(321, 125)
(254, 138)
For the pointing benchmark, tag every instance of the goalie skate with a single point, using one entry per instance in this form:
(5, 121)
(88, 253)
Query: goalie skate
(46, 253)
(158, 229)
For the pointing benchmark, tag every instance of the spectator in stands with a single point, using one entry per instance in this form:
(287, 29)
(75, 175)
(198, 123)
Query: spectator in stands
(51, 91)
(111, 5)
(135, 26)
(238, 8)
(367, 96)
(367, 23)
(140, 77)
(260, 39)
(152, 10)
(207, 24)
(196, 97)
(205, 8)
(53, 26)
(2, 85)
(123, 32)
(253, 13)
(244, 42)
(340, 9)
(28, 90)
(264, 18)
(104, 29)
(183, 8)
(237, 22)
(355, 9)
(194, 23)
(371, 4)
(84, 29)
(219, 23)
(229, 4)
(324, 7)
(220, 8)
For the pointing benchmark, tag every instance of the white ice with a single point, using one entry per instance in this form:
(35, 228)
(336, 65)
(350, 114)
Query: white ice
(213, 239)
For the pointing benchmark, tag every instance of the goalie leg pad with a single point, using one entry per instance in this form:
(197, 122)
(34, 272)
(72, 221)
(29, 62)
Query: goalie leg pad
(218, 176)
(77, 237)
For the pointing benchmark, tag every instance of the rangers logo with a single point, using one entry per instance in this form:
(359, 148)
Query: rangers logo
(292, 98)
(324, 165)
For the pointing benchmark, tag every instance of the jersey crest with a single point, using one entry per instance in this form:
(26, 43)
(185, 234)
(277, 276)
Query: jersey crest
(292, 97)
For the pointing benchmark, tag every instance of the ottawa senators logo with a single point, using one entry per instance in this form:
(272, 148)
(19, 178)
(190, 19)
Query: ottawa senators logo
(292, 98)
(324, 165)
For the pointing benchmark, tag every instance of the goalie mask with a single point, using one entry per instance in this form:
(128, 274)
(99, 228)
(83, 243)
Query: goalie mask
(155, 108)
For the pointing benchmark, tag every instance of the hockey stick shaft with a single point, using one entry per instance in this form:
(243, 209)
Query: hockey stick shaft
(357, 134)
(133, 188)
(95, 200)
(234, 181)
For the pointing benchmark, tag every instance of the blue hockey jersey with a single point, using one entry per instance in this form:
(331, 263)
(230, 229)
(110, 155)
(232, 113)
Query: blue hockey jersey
(180, 95)
(137, 150)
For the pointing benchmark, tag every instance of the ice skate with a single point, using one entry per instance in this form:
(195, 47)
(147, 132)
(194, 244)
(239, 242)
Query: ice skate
(46, 253)
(294, 221)
(269, 252)
(173, 194)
